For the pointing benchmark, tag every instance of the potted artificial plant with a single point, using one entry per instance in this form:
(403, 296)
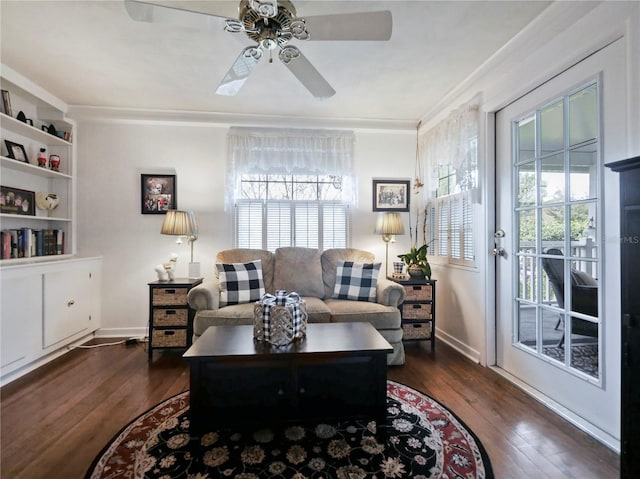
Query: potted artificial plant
(417, 263)
(416, 260)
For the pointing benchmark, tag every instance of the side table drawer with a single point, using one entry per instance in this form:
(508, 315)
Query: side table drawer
(418, 292)
(169, 296)
(169, 338)
(416, 311)
(416, 331)
(170, 317)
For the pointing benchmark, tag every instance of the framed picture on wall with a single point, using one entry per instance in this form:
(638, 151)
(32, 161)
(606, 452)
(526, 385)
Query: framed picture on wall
(159, 194)
(391, 195)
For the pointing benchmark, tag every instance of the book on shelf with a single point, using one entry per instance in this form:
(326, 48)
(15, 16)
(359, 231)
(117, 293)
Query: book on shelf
(28, 242)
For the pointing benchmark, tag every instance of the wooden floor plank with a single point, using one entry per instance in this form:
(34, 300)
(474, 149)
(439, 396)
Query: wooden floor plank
(55, 420)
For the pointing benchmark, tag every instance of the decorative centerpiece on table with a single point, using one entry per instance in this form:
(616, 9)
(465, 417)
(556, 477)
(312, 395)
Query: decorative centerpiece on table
(418, 266)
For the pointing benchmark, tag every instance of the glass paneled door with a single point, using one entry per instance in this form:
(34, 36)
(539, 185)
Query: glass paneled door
(556, 174)
(551, 331)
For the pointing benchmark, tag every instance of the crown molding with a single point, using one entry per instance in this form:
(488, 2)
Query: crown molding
(97, 114)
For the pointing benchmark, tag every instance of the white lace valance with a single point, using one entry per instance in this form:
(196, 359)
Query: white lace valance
(452, 142)
(289, 151)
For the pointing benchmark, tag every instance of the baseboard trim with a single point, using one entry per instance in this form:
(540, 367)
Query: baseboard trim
(579, 422)
(459, 346)
(122, 332)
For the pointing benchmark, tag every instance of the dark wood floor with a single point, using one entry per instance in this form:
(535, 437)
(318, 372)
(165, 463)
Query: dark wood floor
(55, 420)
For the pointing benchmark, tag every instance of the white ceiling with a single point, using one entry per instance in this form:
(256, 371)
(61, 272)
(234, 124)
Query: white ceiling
(92, 53)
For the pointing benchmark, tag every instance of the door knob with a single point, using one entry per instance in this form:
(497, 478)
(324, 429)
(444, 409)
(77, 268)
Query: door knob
(498, 251)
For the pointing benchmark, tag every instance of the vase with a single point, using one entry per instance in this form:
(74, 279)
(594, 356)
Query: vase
(415, 272)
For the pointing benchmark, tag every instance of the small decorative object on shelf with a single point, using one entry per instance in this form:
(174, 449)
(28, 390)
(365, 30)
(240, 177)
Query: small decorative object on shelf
(280, 319)
(6, 103)
(16, 201)
(47, 201)
(42, 158)
(16, 151)
(54, 162)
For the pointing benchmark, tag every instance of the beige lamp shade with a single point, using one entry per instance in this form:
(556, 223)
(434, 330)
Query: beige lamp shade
(389, 224)
(179, 223)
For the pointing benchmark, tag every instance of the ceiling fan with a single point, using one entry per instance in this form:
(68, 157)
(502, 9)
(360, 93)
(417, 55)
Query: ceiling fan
(272, 24)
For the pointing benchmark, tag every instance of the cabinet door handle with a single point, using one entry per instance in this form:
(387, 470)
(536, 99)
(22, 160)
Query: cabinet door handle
(170, 311)
(70, 303)
(417, 306)
(170, 291)
(169, 333)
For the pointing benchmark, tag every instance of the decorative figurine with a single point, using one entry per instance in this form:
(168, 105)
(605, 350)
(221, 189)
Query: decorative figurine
(54, 162)
(42, 158)
(170, 266)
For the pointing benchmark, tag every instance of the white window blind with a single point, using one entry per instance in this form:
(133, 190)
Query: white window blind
(454, 228)
(321, 225)
(443, 229)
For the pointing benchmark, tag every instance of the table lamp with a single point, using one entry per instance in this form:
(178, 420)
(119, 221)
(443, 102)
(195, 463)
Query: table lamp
(183, 224)
(389, 225)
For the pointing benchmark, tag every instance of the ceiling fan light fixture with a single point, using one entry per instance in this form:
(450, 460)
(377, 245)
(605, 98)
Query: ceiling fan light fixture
(265, 8)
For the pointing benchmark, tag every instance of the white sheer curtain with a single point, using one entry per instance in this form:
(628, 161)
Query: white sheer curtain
(453, 142)
(289, 151)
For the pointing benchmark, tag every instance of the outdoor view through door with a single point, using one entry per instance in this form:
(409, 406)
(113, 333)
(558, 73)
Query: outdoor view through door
(557, 184)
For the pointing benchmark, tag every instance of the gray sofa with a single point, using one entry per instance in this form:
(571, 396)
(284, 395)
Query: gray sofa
(312, 275)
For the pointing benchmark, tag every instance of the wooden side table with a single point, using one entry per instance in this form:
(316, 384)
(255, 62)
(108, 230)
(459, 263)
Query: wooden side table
(170, 317)
(418, 310)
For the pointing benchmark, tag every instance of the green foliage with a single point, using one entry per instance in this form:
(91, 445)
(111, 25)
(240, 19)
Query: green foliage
(417, 257)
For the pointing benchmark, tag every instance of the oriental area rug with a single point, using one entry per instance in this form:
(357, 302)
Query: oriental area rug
(423, 440)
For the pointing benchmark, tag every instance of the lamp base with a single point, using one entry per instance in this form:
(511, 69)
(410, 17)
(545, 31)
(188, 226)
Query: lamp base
(194, 270)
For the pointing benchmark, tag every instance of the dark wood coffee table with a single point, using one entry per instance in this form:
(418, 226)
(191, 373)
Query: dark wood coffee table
(339, 371)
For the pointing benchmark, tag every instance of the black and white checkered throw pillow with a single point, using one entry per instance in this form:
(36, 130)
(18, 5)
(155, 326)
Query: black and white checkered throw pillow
(356, 281)
(240, 282)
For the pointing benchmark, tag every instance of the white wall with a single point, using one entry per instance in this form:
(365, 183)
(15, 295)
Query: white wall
(113, 153)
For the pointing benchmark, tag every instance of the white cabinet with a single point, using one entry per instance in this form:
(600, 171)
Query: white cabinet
(22, 177)
(70, 297)
(46, 306)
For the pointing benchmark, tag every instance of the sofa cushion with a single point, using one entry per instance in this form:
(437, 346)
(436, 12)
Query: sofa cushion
(244, 255)
(381, 317)
(240, 282)
(330, 258)
(356, 281)
(298, 269)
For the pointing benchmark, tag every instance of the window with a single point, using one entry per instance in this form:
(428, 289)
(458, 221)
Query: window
(451, 153)
(290, 187)
(291, 210)
(453, 230)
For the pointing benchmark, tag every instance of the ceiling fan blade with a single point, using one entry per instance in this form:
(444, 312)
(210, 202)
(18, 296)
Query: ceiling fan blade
(305, 72)
(239, 71)
(365, 26)
(141, 11)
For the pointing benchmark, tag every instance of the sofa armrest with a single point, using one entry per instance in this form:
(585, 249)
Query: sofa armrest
(389, 293)
(204, 296)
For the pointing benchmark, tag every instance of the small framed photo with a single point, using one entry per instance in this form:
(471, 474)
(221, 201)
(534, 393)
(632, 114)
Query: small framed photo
(16, 151)
(159, 194)
(17, 202)
(391, 195)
